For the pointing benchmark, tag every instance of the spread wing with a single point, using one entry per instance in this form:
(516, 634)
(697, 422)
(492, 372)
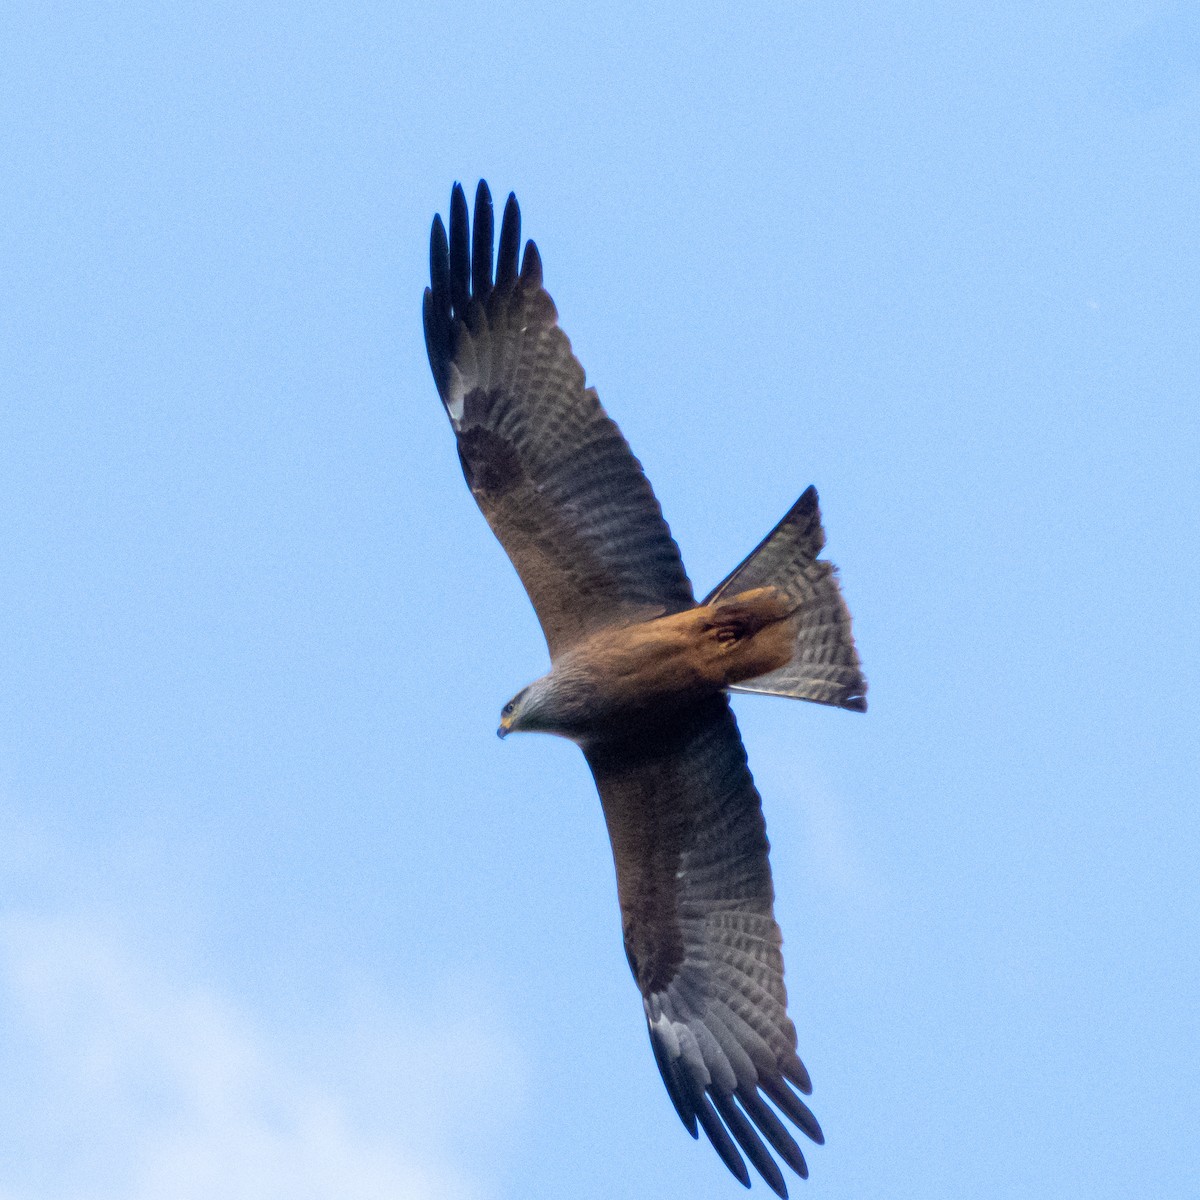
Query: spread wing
(551, 472)
(690, 848)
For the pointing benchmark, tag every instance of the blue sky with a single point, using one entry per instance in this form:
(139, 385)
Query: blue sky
(279, 915)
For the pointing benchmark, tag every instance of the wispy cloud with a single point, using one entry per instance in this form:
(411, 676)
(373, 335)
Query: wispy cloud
(834, 852)
(153, 1089)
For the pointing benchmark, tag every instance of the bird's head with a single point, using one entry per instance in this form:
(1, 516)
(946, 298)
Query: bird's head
(556, 703)
(522, 711)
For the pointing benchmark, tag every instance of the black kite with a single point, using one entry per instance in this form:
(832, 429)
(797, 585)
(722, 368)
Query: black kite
(639, 679)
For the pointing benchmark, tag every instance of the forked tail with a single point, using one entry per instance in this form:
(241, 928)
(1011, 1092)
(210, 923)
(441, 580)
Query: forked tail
(824, 667)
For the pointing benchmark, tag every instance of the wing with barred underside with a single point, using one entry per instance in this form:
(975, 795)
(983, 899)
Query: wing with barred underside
(690, 848)
(550, 470)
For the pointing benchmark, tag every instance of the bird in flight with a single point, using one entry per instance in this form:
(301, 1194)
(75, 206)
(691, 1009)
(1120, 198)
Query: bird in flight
(639, 680)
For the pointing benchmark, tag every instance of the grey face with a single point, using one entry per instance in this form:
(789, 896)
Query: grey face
(510, 715)
(506, 718)
(565, 703)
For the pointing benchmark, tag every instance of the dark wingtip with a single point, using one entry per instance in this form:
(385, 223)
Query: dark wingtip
(481, 242)
(747, 1137)
(430, 323)
(439, 264)
(436, 305)
(796, 1072)
(670, 1077)
(531, 265)
(510, 243)
(773, 1129)
(716, 1132)
(792, 1107)
(460, 251)
(722, 1143)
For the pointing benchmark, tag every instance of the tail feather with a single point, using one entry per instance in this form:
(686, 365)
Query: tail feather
(824, 667)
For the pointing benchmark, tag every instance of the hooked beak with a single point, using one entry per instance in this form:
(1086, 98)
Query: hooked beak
(505, 728)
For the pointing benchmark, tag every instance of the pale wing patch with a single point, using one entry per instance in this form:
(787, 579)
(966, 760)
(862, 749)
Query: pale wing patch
(456, 394)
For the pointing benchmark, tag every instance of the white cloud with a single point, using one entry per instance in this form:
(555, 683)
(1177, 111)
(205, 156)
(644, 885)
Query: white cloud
(834, 852)
(157, 1090)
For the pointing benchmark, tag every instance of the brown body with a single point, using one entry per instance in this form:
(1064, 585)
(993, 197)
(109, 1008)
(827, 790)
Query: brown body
(640, 674)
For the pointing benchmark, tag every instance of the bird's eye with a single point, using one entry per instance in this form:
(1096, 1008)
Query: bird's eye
(507, 710)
